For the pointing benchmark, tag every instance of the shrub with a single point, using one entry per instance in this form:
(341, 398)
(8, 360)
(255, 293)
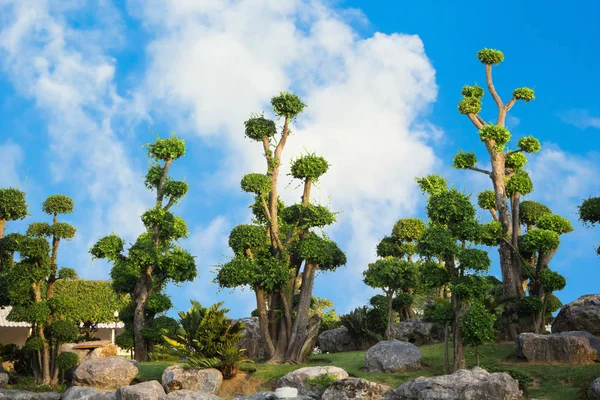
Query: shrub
(363, 325)
(321, 382)
(65, 361)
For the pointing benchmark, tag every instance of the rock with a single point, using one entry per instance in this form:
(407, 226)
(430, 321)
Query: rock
(106, 350)
(133, 362)
(7, 366)
(3, 379)
(567, 347)
(392, 356)
(418, 332)
(23, 395)
(593, 392)
(297, 379)
(109, 373)
(354, 388)
(581, 315)
(207, 380)
(189, 395)
(150, 390)
(87, 393)
(252, 340)
(336, 341)
(475, 384)
(268, 396)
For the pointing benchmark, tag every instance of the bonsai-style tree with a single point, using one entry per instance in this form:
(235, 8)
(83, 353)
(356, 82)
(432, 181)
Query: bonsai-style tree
(478, 327)
(13, 207)
(155, 258)
(509, 180)
(589, 213)
(279, 254)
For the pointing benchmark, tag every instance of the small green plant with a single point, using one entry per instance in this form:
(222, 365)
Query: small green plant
(321, 382)
(65, 361)
(364, 325)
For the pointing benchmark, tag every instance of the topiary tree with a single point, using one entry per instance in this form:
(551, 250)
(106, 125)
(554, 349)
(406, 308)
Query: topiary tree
(478, 327)
(13, 207)
(279, 254)
(155, 259)
(65, 361)
(589, 213)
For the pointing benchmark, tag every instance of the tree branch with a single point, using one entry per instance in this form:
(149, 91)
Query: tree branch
(483, 171)
(494, 214)
(264, 203)
(513, 152)
(476, 120)
(511, 103)
(491, 88)
(481, 121)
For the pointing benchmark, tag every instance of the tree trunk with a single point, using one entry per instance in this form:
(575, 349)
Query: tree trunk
(477, 354)
(517, 263)
(446, 349)
(300, 327)
(141, 295)
(2, 227)
(388, 328)
(459, 347)
(263, 322)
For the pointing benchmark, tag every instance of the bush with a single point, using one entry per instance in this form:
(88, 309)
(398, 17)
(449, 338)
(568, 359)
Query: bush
(65, 361)
(321, 382)
(363, 325)
(329, 321)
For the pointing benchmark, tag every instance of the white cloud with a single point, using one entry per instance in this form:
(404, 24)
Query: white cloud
(213, 63)
(581, 118)
(12, 158)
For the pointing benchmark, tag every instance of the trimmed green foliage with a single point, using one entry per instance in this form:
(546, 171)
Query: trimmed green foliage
(474, 259)
(554, 223)
(62, 331)
(477, 327)
(492, 233)
(109, 247)
(432, 184)
(515, 161)
(287, 105)
(310, 167)
(524, 93)
(531, 211)
(498, 134)
(408, 229)
(321, 382)
(450, 208)
(552, 281)
(321, 251)
(530, 305)
(65, 361)
(440, 311)
(58, 204)
(464, 160)
(490, 56)
(539, 240)
(259, 127)
(520, 182)
(472, 91)
(38, 230)
(391, 274)
(308, 216)
(171, 148)
(13, 205)
(247, 237)
(589, 211)
(363, 325)
(486, 200)
(529, 144)
(469, 105)
(256, 183)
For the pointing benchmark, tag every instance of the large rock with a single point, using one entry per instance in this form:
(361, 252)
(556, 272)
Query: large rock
(252, 340)
(197, 380)
(581, 315)
(475, 384)
(268, 396)
(593, 392)
(150, 390)
(87, 393)
(109, 373)
(418, 332)
(105, 350)
(3, 379)
(392, 356)
(354, 388)
(297, 379)
(6, 394)
(189, 395)
(337, 340)
(567, 347)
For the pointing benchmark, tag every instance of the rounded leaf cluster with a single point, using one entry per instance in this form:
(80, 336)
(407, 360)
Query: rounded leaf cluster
(530, 305)
(497, 133)
(67, 360)
(258, 210)
(180, 265)
(323, 252)
(469, 105)
(553, 303)
(308, 216)
(471, 286)
(35, 343)
(310, 167)
(531, 211)
(477, 326)
(39, 230)
(529, 144)
(490, 56)
(258, 128)
(524, 93)
(492, 233)
(62, 331)
(256, 183)
(287, 105)
(37, 313)
(552, 281)
(467, 230)
(167, 149)
(155, 173)
(432, 184)
(244, 237)
(388, 247)
(437, 242)
(158, 303)
(62, 230)
(402, 300)
(450, 208)
(175, 189)
(486, 200)
(472, 91)
(434, 275)
(109, 247)
(464, 160)
(539, 240)
(58, 204)
(13, 206)
(391, 273)
(474, 259)
(554, 223)
(170, 226)
(408, 229)
(439, 312)
(515, 161)
(520, 182)
(589, 211)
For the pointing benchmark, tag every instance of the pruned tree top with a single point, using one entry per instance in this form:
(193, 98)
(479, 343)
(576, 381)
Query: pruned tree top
(13, 205)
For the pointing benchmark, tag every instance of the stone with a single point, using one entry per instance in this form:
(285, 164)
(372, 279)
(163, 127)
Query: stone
(189, 395)
(581, 315)
(106, 350)
(150, 390)
(268, 396)
(593, 392)
(207, 380)
(108, 373)
(133, 362)
(475, 384)
(7, 366)
(87, 393)
(565, 347)
(3, 379)
(6, 394)
(252, 340)
(336, 341)
(297, 379)
(392, 356)
(354, 388)
(417, 332)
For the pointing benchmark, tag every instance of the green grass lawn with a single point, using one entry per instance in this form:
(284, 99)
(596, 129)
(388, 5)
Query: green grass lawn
(555, 382)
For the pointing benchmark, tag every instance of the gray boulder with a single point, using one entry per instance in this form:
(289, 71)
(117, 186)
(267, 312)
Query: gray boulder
(475, 384)
(151, 390)
(207, 380)
(3, 379)
(109, 373)
(392, 356)
(297, 379)
(354, 388)
(593, 392)
(268, 396)
(104, 349)
(252, 340)
(337, 340)
(87, 393)
(6, 394)
(566, 347)
(581, 315)
(418, 332)
(189, 395)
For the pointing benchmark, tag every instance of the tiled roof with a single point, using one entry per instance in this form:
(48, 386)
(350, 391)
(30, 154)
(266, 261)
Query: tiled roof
(5, 323)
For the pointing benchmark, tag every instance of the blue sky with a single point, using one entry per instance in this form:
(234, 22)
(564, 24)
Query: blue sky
(83, 84)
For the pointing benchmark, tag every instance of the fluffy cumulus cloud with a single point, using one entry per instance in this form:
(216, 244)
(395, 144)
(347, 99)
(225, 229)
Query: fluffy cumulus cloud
(12, 157)
(581, 118)
(212, 63)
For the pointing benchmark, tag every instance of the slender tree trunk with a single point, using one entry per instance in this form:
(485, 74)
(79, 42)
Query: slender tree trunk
(300, 327)
(477, 354)
(142, 292)
(388, 328)
(2, 227)
(446, 349)
(263, 322)
(459, 347)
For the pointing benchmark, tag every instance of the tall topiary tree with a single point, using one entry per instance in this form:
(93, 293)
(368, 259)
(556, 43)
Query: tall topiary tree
(155, 259)
(13, 207)
(589, 213)
(279, 254)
